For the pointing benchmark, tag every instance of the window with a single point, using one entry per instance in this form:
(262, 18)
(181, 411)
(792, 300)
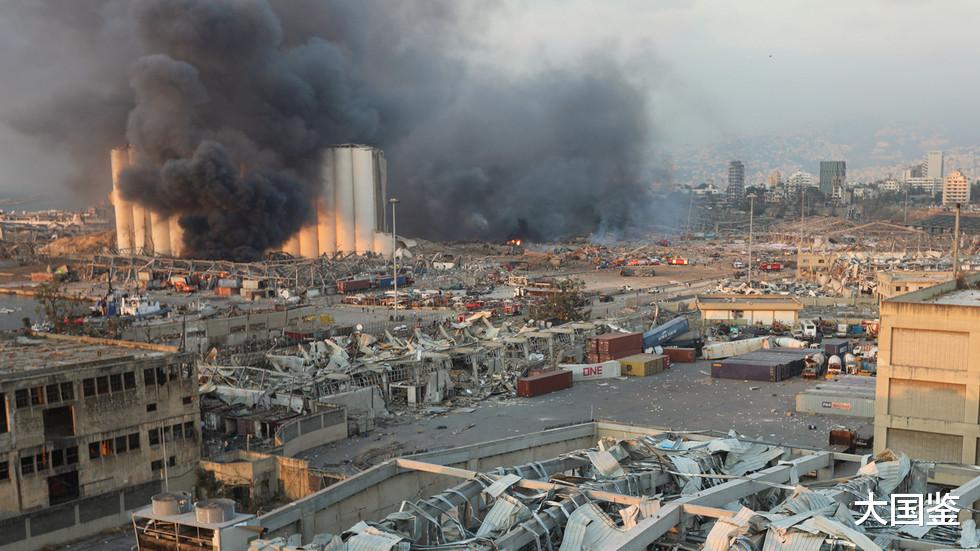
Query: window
(134, 441)
(54, 394)
(27, 464)
(187, 369)
(20, 398)
(37, 396)
(161, 376)
(42, 461)
(172, 461)
(88, 387)
(57, 458)
(3, 413)
(121, 444)
(187, 400)
(189, 429)
(129, 380)
(156, 465)
(149, 377)
(102, 383)
(154, 435)
(67, 392)
(151, 407)
(178, 432)
(93, 450)
(106, 448)
(4, 470)
(115, 382)
(71, 455)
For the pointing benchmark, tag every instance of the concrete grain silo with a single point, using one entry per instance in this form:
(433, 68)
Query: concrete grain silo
(119, 160)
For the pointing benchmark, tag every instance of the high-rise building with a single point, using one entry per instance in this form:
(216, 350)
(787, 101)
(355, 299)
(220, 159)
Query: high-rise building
(833, 174)
(956, 189)
(933, 166)
(775, 178)
(736, 182)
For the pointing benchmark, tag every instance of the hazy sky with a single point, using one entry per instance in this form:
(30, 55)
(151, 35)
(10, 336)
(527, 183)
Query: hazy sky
(713, 70)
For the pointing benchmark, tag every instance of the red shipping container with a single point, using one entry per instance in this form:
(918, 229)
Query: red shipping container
(619, 343)
(593, 358)
(605, 357)
(680, 355)
(551, 381)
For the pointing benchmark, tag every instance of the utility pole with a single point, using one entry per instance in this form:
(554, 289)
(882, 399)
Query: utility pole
(751, 213)
(956, 244)
(799, 246)
(394, 249)
(906, 203)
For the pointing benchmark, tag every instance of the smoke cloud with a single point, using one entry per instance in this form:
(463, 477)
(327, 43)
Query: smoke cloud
(229, 104)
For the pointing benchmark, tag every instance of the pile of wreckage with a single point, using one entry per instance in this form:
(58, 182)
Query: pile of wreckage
(669, 491)
(472, 359)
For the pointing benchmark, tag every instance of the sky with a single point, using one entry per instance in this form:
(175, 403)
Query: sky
(713, 71)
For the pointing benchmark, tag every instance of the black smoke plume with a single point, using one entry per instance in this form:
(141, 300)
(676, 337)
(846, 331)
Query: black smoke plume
(229, 104)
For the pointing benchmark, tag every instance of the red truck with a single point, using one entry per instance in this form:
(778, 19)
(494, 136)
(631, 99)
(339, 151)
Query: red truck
(352, 285)
(770, 266)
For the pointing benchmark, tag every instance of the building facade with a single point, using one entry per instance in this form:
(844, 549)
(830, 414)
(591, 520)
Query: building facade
(956, 189)
(934, 166)
(736, 182)
(927, 394)
(84, 421)
(749, 309)
(833, 174)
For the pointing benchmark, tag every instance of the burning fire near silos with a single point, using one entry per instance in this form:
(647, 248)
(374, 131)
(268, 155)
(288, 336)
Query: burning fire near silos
(350, 210)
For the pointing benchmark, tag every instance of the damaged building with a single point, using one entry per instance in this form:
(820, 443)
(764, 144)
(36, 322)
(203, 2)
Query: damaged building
(89, 430)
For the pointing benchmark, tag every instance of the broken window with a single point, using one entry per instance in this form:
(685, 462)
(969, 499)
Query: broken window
(21, 398)
(115, 382)
(3, 413)
(149, 377)
(67, 392)
(4, 470)
(59, 422)
(88, 387)
(178, 432)
(106, 448)
(156, 465)
(129, 380)
(27, 464)
(71, 455)
(41, 461)
(93, 450)
(134, 441)
(189, 429)
(37, 396)
(63, 488)
(54, 394)
(102, 384)
(154, 436)
(187, 400)
(57, 458)
(151, 407)
(172, 461)
(121, 444)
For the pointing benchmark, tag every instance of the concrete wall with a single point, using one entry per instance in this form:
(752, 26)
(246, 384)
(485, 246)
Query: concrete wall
(380, 490)
(928, 385)
(54, 526)
(764, 317)
(307, 432)
(230, 331)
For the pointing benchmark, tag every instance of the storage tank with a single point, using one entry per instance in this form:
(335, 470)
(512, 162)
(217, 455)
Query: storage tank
(141, 220)
(344, 211)
(325, 225)
(170, 503)
(119, 160)
(160, 234)
(214, 511)
(308, 245)
(365, 206)
(176, 237)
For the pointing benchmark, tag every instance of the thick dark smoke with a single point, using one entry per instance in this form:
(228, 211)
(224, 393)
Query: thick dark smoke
(229, 103)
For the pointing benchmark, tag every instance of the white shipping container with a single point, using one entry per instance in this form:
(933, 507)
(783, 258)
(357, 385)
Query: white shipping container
(592, 372)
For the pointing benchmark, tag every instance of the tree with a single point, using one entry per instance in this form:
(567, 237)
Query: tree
(567, 304)
(53, 304)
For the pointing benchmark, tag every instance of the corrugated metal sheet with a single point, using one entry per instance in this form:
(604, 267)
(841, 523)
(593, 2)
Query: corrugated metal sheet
(754, 462)
(686, 465)
(721, 534)
(792, 541)
(506, 512)
(501, 484)
(605, 463)
(587, 527)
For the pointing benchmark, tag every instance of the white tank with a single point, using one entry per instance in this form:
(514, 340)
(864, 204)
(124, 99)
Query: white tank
(308, 245)
(176, 237)
(326, 227)
(365, 206)
(344, 209)
(119, 159)
(160, 234)
(834, 361)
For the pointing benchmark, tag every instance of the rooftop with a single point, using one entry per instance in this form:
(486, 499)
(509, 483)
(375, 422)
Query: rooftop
(946, 293)
(45, 351)
(748, 302)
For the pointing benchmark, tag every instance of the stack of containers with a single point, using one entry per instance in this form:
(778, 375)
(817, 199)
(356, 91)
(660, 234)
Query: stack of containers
(773, 365)
(613, 346)
(227, 287)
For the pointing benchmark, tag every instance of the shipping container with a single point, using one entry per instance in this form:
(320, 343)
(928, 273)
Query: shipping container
(230, 283)
(224, 291)
(352, 285)
(592, 371)
(836, 347)
(847, 402)
(662, 334)
(550, 381)
(643, 365)
(618, 345)
(680, 355)
(772, 365)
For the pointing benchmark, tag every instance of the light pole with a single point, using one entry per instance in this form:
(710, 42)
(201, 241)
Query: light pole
(751, 197)
(394, 248)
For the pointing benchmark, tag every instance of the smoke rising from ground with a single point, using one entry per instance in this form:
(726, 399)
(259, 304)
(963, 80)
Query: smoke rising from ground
(228, 105)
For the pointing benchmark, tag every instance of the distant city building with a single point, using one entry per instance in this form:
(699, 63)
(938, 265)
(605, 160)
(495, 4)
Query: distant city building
(956, 189)
(797, 181)
(925, 185)
(914, 171)
(833, 174)
(775, 178)
(891, 185)
(933, 167)
(736, 182)
(706, 190)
